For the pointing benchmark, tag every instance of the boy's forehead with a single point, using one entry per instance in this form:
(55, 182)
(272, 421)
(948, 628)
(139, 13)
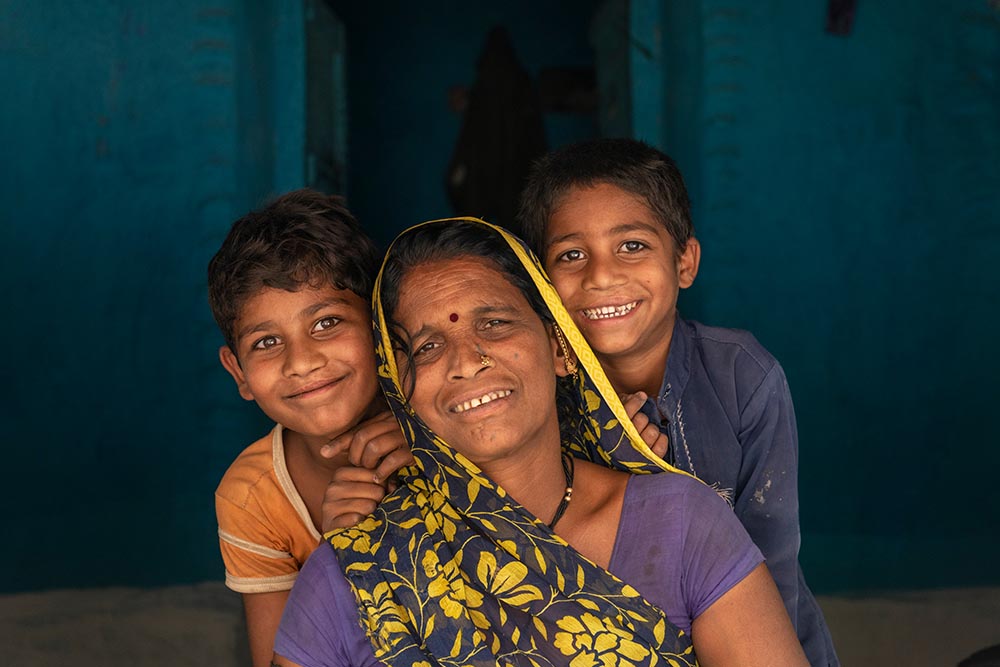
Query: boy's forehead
(602, 209)
(273, 304)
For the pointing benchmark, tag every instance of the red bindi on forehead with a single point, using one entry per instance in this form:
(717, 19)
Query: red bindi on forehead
(453, 317)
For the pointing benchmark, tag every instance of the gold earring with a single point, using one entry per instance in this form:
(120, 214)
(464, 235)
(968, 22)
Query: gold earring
(568, 359)
(486, 360)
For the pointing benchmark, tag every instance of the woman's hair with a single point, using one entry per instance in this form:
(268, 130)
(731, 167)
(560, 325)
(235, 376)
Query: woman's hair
(442, 241)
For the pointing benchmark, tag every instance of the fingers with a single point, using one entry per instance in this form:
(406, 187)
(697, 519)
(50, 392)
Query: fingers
(346, 519)
(660, 445)
(391, 463)
(372, 448)
(648, 431)
(377, 444)
(633, 404)
(350, 497)
(361, 433)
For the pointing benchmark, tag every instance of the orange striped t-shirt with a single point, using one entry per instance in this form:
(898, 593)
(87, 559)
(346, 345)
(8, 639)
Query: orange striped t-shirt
(265, 532)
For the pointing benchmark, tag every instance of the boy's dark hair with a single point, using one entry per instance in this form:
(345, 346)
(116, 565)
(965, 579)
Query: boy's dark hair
(629, 164)
(301, 238)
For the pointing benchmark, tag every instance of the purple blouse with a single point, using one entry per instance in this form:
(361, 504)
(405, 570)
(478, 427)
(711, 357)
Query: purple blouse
(678, 544)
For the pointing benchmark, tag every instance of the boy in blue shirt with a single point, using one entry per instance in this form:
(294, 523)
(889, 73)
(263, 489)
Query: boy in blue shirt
(611, 221)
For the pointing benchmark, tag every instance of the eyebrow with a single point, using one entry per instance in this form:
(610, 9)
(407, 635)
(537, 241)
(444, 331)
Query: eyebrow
(309, 310)
(479, 311)
(614, 231)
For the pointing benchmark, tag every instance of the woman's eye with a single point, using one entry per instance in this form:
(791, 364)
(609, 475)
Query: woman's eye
(425, 349)
(492, 324)
(326, 323)
(570, 256)
(266, 343)
(633, 246)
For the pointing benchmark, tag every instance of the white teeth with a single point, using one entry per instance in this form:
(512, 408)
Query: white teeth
(604, 312)
(482, 400)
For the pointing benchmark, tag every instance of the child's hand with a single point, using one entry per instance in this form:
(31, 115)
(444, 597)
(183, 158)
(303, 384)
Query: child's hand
(651, 435)
(350, 497)
(375, 450)
(376, 444)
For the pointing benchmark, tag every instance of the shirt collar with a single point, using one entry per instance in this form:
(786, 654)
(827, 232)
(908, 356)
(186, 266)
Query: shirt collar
(678, 369)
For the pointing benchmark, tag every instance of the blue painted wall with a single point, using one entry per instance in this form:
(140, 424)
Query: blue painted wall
(846, 189)
(133, 135)
(847, 196)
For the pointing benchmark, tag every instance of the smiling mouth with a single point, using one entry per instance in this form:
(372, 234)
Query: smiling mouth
(607, 312)
(482, 400)
(313, 388)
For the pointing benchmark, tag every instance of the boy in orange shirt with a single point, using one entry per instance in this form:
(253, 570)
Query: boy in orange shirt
(290, 289)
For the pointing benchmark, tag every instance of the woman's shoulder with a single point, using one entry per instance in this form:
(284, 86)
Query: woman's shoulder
(680, 489)
(322, 598)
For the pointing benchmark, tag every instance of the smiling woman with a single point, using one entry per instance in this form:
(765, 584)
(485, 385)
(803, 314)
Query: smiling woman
(513, 426)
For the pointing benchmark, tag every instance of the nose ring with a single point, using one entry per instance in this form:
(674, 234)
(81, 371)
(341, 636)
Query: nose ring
(485, 359)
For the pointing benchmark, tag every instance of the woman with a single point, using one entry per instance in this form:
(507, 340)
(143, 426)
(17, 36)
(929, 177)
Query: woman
(501, 547)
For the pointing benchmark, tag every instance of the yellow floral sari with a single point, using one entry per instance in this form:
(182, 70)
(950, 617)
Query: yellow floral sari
(450, 570)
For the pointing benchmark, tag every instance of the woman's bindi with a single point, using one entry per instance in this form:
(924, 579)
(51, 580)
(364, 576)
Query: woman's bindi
(453, 317)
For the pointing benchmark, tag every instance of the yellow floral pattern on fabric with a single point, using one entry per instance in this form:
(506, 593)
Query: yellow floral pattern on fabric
(451, 571)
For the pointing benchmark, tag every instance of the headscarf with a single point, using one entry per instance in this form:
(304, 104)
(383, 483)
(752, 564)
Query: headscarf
(450, 570)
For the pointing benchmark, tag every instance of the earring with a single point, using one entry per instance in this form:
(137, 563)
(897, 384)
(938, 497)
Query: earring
(568, 359)
(486, 360)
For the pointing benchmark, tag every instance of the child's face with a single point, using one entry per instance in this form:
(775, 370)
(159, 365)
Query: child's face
(617, 270)
(307, 358)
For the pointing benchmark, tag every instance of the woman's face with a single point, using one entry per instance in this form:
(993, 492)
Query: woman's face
(455, 311)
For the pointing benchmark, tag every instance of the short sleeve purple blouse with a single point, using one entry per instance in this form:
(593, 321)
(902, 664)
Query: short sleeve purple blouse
(678, 544)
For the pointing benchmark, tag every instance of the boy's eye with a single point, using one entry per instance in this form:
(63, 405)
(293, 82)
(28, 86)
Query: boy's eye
(266, 343)
(570, 256)
(633, 246)
(326, 323)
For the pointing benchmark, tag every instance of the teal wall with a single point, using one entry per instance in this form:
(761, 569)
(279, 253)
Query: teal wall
(846, 192)
(133, 134)
(847, 196)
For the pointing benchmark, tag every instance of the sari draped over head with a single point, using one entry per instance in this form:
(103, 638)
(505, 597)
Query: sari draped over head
(451, 570)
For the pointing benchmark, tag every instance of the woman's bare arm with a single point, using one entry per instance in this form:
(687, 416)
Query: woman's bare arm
(747, 627)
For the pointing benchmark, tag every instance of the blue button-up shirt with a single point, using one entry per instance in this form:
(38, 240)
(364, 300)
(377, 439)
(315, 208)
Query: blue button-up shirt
(725, 406)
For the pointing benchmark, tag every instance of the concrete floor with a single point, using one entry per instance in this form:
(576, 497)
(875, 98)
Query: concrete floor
(202, 625)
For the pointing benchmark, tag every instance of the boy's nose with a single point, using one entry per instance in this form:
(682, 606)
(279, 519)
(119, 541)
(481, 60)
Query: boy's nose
(303, 358)
(602, 273)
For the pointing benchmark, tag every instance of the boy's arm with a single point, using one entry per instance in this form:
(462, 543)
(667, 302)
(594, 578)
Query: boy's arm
(767, 500)
(257, 570)
(263, 614)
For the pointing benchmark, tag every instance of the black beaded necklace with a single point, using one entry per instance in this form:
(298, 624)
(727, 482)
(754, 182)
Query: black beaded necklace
(567, 464)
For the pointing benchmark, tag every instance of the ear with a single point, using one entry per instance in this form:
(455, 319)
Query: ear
(232, 365)
(687, 263)
(563, 365)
